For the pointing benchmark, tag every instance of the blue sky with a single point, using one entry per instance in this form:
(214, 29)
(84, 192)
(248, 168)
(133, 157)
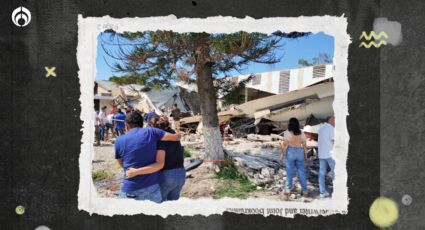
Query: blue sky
(293, 50)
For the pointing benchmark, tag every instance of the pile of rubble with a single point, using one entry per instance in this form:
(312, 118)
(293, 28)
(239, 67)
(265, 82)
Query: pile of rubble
(258, 158)
(193, 141)
(260, 162)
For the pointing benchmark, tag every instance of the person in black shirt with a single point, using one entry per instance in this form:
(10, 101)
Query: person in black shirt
(173, 174)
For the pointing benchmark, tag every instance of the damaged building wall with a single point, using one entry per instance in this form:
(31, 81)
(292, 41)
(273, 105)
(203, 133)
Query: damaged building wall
(191, 99)
(320, 108)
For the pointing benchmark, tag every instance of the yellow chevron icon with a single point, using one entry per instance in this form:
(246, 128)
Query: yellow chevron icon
(372, 34)
(372, 43)
(376, 37)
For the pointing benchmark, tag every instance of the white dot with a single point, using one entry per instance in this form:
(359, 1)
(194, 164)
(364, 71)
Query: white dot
(406, 199)
(42, 227)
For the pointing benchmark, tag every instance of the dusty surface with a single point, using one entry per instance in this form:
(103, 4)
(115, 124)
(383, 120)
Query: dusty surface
(104, 160)
(201, 182)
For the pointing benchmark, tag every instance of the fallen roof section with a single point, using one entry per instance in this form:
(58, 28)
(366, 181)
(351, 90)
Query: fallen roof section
(222, 116)
(102, 97)
(316, 99)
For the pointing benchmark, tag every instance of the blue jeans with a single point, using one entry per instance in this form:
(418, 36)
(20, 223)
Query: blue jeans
(120, 131)
(172, 182)
(295, 158)
(324, 163)
(102, 132)
(152, 193)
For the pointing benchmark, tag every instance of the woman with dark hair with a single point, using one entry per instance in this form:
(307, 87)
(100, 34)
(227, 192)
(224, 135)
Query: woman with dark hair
(173, 174)
(294, 152)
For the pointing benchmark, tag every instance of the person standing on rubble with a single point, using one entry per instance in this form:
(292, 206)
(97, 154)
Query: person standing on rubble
(294, 153)
(326, 144)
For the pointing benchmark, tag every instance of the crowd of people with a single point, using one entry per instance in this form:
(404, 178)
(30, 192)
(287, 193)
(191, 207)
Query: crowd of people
(294, 153)
(113, 122)
(150, 154)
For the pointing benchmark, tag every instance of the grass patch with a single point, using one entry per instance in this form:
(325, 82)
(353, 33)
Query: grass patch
(187, 152)
(100, 175)
(236, 184)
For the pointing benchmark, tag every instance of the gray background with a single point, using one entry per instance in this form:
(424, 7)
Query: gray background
(40, 124)
(402, 113)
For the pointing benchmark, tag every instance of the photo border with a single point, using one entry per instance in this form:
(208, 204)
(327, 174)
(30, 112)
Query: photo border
(88, 30)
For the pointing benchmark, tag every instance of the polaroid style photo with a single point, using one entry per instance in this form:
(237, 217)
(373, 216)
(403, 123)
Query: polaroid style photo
(195, 116)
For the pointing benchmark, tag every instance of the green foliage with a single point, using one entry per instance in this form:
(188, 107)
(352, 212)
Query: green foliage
(140, 79)
(229, 171)
(232, 94)
(187, 152)
(156, 58)
(321, 58)
(100, 175)
(233, 190)
(235, 184)
(124, 80)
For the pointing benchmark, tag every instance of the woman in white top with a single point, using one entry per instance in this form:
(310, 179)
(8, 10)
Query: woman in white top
(294, 152)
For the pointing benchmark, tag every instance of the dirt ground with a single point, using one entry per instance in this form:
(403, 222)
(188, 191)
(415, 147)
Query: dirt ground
(200, 182)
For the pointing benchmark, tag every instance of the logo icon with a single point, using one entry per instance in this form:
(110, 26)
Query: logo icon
(376, 37)
(21, 16)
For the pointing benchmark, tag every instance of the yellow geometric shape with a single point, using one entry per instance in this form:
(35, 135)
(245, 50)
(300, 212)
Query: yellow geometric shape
(372, 43)
(383, 212)
(372, 34)
(50, 71)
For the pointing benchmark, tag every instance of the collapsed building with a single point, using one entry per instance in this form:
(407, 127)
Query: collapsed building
(270, 99)
(256, 126)
(251, 129)
(109, 94)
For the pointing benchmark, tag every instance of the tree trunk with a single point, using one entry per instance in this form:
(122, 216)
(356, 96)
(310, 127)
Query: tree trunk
(207, 95)
(208, 101)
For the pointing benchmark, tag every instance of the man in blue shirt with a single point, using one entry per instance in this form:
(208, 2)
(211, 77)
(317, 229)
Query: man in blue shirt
(138, 148)
(173, 173)
(119, 118)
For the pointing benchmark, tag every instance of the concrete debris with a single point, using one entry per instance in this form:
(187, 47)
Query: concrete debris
(257, 156)
(255, 137)
(262, 165)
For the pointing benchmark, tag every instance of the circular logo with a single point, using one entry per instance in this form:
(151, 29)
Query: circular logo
(21, 16)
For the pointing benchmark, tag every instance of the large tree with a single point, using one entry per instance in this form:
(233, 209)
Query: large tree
(163, 57)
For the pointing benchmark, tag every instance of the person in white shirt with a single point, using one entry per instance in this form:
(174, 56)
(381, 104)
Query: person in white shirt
(96, 127)
(109, 126)
(102, 118)
(326, 144)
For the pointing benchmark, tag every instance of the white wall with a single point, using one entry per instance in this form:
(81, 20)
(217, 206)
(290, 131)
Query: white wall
(307, 77)
(270, 80)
